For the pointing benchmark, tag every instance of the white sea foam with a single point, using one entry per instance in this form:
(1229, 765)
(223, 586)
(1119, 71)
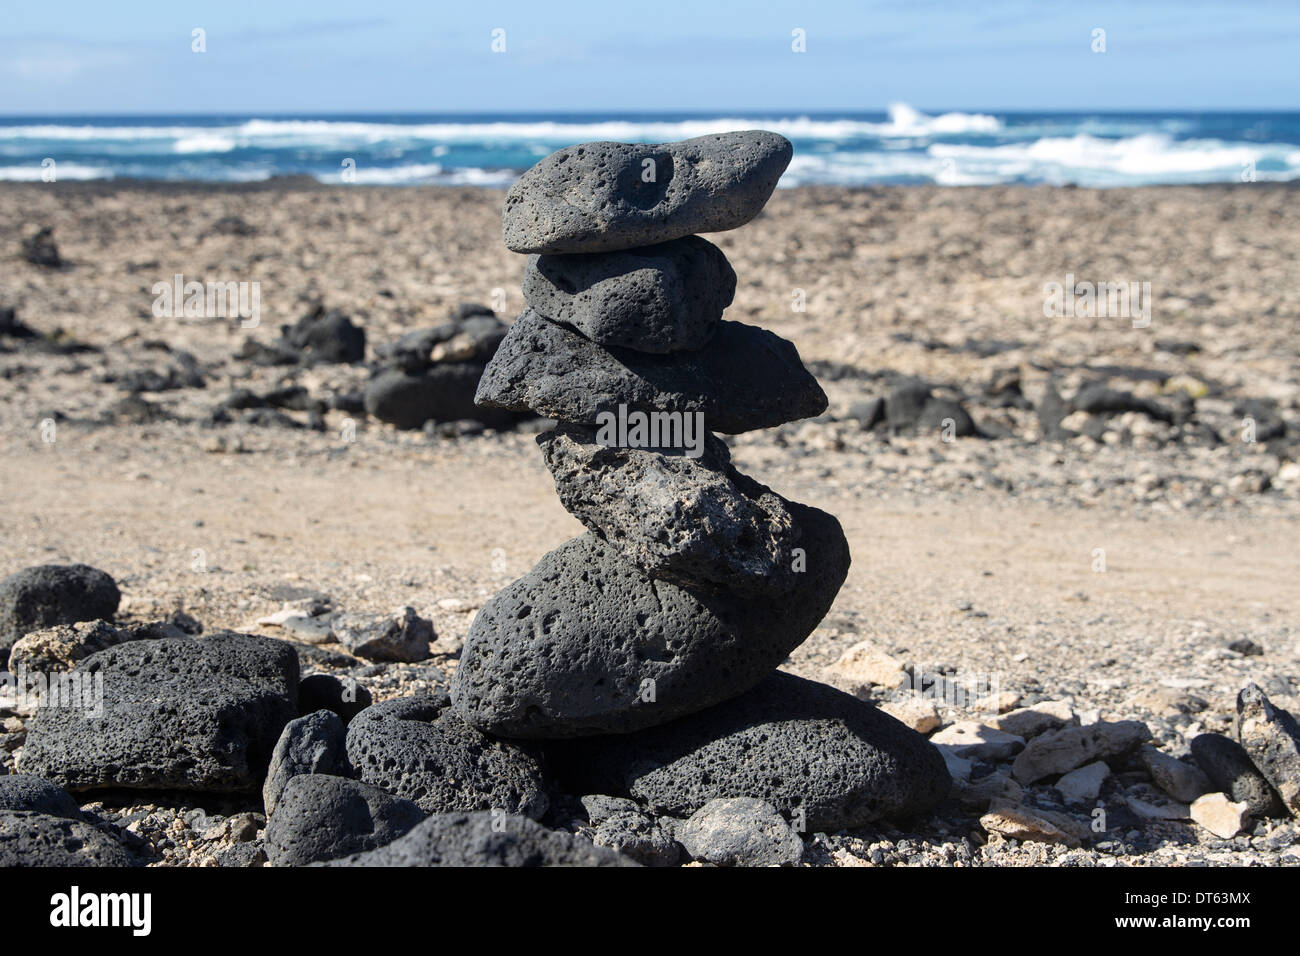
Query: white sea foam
(1150, 157)
(35, 173)
(53, 131)
(909, 146)
(906, 121)
(204, 143)
(903, 121)
(432, 173)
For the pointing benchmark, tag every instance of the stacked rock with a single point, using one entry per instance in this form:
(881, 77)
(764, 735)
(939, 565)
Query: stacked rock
(694, 582)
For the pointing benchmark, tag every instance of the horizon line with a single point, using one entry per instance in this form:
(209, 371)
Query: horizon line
(649, 112)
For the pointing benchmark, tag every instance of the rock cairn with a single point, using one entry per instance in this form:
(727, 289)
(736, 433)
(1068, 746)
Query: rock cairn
(633, 670)
(694, 581)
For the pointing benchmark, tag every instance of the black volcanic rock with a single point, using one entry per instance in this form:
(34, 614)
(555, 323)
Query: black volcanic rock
(486, 839)
(442, 393)
(816, 754)
(1271, 736)
(40, 249)
(327, 336)
(586, 643)
(416, 748)
(912, 407)
(1100, 400)
(691, 521)
(471, 336)
(599, 197)
(313, 744)
(177, 714)
(35, 839)
(663, 298)
(320, 817)
(1229, 768)
(747, 378)
(50, 594)
(20, 791)
(327, 692)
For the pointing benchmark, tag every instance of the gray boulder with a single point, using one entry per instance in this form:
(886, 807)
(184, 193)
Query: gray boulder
(314, 744)
(486, 839)
(50, 594)
(905, 404)
(61, 647)
(37, 839)
(416, 748)
(740, 831)
(663, 298)
(601, 806)
(639, 836)
(747, 378)
(691, 521)
(586, 643)
(401, 636)
(20, 791)
(1060, 751)
(598, 197)
(323, 817)
(177, 714)
(946, 417)
(819, 756)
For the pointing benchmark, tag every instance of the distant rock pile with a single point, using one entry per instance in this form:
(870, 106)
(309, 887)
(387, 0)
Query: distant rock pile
(664, 624)
(321, 336)
(430, 375)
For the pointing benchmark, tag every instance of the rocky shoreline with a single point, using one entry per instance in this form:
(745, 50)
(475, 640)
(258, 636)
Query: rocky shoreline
(1101, 425)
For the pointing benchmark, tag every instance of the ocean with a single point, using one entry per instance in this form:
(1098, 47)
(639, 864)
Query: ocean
(900, 146)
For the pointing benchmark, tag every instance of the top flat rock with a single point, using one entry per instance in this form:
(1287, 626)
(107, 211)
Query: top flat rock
(747, 378)
(600, 197)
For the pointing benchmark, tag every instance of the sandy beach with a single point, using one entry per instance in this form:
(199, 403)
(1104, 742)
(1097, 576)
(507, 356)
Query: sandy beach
(972, 556)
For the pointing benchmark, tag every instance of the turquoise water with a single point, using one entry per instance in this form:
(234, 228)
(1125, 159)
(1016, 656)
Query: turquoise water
(900, 146)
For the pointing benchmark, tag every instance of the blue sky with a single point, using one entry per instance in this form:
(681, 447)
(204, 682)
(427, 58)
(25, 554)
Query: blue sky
(329, 56)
